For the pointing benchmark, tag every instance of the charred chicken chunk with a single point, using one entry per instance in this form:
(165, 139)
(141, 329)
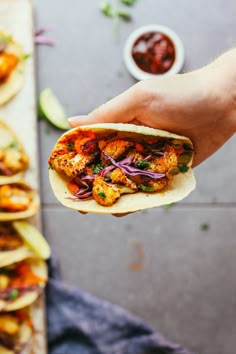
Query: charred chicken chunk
(14, 199)
(118, 176)
(8, 62)
(117, 149)
(164, 163)
(105, 194)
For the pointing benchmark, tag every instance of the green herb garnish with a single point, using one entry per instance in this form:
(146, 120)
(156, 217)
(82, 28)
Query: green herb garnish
(168, 206)
(106, 9)
(13, 145)
(24, 57)
(143, 164)
(102, 194)
(70, 146)
(13, 294)
(128, 2)
(98, 168)
(5, 39)
(146, 188)
(204, 227)
(124, 14)
(183, 168)
(50, 167)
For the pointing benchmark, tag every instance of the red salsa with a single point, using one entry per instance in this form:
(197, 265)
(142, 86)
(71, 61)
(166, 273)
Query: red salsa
(154, 53)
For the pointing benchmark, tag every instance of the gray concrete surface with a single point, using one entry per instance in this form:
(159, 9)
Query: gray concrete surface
(185, 284)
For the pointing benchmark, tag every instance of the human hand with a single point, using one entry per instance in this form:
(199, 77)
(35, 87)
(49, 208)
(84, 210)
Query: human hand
(200, 105)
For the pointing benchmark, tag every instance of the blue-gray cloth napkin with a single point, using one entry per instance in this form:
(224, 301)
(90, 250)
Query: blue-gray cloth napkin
(79, 323)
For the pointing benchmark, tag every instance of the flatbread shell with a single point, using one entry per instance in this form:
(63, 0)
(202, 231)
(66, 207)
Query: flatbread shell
(179, 188)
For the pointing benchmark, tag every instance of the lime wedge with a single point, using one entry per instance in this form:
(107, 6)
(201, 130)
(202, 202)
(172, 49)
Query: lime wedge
(33, 238)
(51, 109)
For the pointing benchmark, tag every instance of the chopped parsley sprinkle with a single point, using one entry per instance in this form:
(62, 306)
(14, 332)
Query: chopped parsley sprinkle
(145, 188)
(183, 168)
(5, 39)
(106, 9)
(13, 144)
(24, 57)
(128, 2)
(204, 227)
(143, 164)
(98, 168)
(13, 294)
(50, 167)
(70, 146)
(102, 194)
(168, 206)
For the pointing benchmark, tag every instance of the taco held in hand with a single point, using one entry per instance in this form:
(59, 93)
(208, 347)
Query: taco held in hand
(118, 168)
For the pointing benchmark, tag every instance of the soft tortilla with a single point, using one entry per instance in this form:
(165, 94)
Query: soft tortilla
(32, 210)
(7, 136)
(15, 80)
(39, 268)
(179, 188)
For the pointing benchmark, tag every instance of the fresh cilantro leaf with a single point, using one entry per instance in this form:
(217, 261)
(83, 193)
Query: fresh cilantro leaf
(183, 168)
(143, 164)
(13, 145)
(98, 168)
(5, 39)
(128, 2)
(102, 194)
(70, 146)
(205, 227)
(145, 188)
(123, 14)
(24, 57)
(13, 294)
(50, 167)
(107, 9)
(168, 206)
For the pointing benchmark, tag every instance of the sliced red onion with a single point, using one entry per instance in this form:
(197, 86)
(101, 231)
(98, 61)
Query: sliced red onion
(44, 40)
(106, 170)
(5, 171)
(88, 177)
(133, 171)
(159, 153)
(42, 30)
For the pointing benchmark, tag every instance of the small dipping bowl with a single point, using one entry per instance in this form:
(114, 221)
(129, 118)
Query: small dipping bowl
(153, 50)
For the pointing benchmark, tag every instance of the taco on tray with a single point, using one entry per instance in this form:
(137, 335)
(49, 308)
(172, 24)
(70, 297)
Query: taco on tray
(17, 201)
(13, 159)
(21, 283)
(12, 67)
(16, 329)
(16, 246)
(119, 168)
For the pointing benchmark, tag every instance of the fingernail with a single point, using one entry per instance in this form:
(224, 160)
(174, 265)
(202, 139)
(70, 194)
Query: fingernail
(75, 119)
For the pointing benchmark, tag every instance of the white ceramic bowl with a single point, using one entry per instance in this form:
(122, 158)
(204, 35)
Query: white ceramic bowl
(132, 66)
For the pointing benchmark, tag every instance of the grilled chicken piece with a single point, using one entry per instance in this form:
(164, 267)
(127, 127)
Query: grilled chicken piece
(9, 324)
(72, 156)
(164, 163)
(8, 62)
(14, 199)
(104, 193)
(117, 149)
(14, 160)
(118, 176)
(70, 164)
(10, 242)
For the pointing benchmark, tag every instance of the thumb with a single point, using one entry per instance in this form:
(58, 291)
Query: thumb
(121, 109)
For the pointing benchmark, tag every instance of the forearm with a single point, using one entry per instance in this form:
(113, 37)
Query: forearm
(221, 77)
